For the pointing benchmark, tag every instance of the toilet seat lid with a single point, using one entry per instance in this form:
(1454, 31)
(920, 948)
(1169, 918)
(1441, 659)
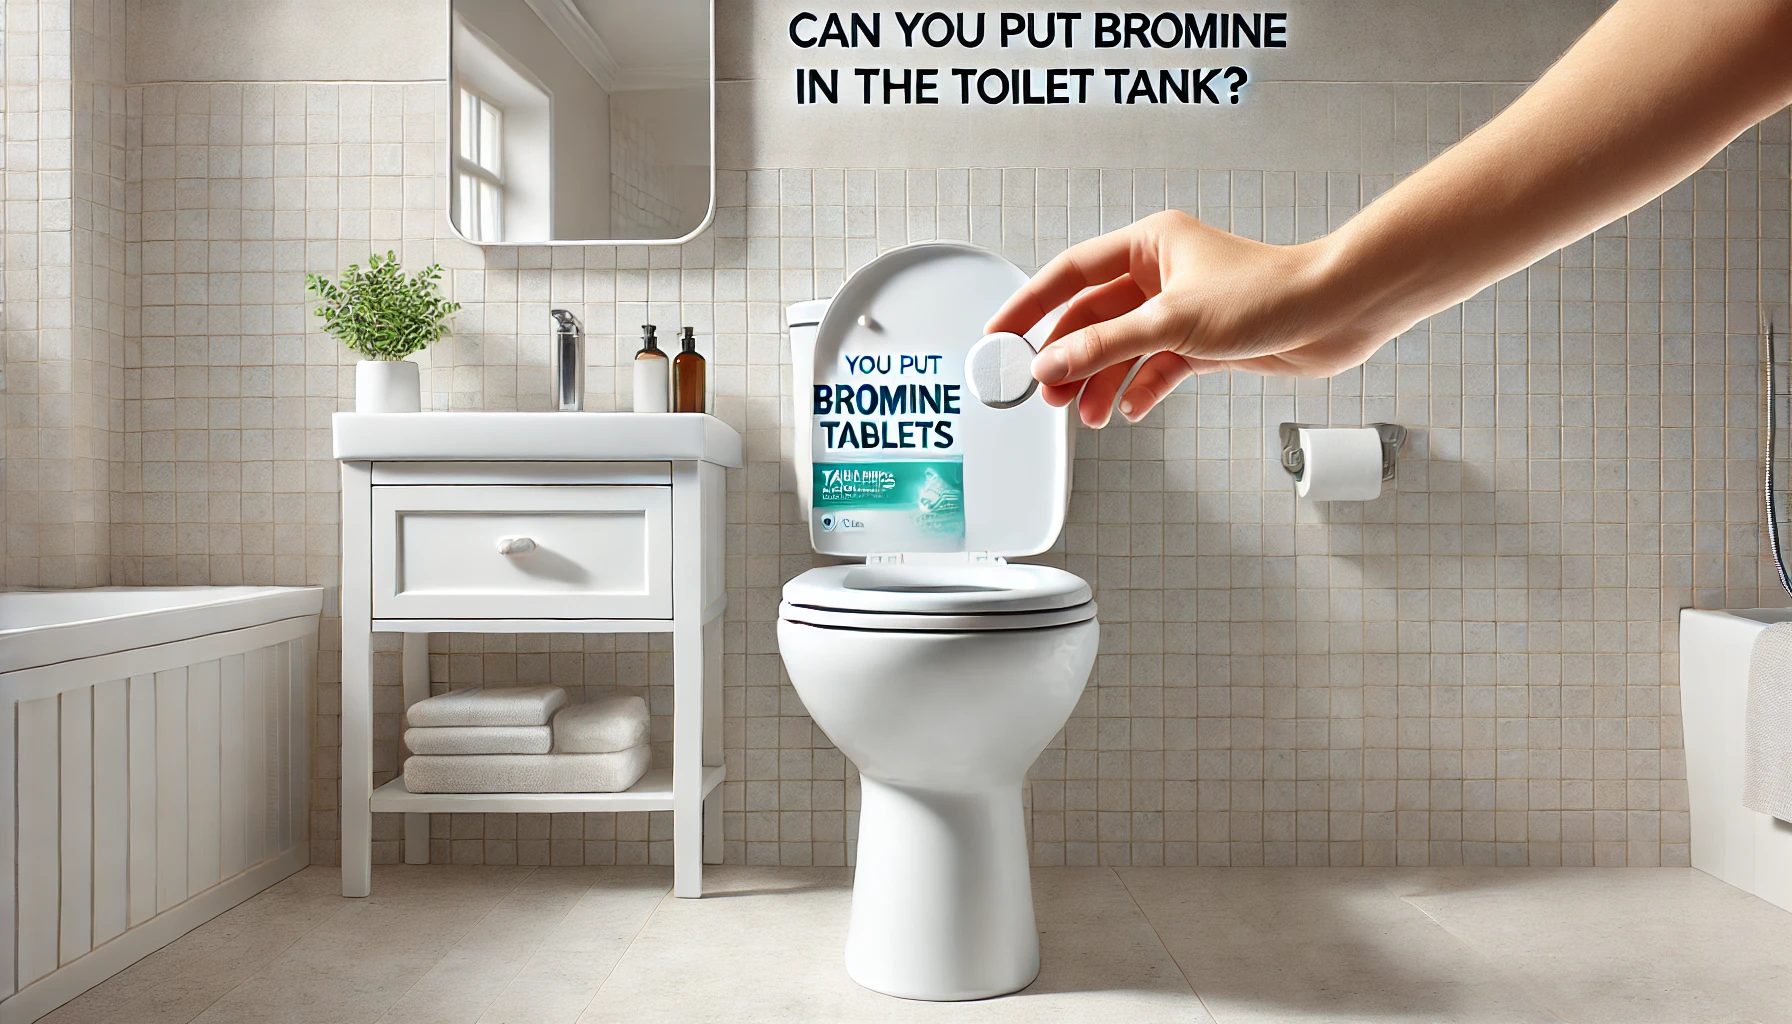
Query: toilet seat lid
(903, 457)
(938, 589)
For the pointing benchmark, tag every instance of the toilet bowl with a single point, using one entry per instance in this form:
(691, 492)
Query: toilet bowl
(938, 668)
(942, 712)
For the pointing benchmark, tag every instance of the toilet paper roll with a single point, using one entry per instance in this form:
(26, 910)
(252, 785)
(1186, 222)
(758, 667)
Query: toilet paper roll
(1342, 464)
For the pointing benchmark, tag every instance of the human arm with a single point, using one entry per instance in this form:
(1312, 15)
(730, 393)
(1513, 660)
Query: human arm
(1643, 99)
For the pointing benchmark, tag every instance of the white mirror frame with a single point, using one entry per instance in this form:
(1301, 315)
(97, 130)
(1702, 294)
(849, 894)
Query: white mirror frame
(447, 208)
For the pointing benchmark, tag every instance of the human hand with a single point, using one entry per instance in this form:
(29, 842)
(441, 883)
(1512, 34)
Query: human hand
(1177, 297)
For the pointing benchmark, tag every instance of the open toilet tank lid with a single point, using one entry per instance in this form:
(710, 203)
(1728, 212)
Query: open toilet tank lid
(905, 458)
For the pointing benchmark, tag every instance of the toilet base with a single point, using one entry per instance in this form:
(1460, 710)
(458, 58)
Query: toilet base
(942, 899)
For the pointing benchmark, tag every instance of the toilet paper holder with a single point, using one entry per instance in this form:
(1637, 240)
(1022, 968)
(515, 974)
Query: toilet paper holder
(1393, 437)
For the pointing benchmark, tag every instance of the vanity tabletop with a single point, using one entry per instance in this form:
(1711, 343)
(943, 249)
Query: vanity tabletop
(535, 436)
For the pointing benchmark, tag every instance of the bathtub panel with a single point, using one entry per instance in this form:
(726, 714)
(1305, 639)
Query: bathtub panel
(142, 756)
(111, 810)
(257, 668)
(297, 777)
(171, 788)
(234, 784)
(203, 784)
(1714, 656)
(9, 849)
(39, 860)
(76, 780)
(1747, 849)
(283, 714)
(150, 790)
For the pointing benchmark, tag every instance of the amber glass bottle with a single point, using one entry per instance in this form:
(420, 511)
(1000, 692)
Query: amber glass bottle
(688, 373)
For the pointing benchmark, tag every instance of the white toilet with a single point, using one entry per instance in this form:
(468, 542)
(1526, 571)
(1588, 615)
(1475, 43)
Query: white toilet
(938, 668)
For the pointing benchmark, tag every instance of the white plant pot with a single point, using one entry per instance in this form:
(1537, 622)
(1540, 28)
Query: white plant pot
(387, 385)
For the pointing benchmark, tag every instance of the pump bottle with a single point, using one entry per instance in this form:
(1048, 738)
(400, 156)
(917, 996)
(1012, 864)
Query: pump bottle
(653, 374)
(688, 373)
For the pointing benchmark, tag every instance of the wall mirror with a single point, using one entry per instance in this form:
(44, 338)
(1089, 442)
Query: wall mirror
(581, 121)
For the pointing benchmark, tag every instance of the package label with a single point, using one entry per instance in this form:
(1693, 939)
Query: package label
(906, 505)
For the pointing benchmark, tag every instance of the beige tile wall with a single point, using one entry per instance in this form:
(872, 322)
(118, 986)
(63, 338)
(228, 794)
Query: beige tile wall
(98, 225)
(1478, 667)
(65, 272)
(7, 246)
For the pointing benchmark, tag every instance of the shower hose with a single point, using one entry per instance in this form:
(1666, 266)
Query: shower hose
(1767, 486)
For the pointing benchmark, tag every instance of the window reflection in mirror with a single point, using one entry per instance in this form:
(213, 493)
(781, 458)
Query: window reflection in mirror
(580, 120)
(478, 166)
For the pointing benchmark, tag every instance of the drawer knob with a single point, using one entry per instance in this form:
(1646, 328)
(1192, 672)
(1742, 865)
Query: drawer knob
(515, 545)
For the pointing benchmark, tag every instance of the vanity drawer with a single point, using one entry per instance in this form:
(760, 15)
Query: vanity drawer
(538, 552)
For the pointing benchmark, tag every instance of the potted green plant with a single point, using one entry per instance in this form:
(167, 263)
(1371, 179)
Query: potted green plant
(384, 316)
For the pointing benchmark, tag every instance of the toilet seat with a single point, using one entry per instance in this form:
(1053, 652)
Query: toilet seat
(970, 596)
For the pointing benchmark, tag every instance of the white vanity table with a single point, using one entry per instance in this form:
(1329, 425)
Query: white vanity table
(535, 523)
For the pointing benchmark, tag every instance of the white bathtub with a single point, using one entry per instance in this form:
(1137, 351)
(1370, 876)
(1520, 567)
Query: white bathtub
(1749, 850)
(154, 771)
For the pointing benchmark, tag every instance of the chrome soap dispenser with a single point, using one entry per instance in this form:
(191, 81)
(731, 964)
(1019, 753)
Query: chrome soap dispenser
(568, 361)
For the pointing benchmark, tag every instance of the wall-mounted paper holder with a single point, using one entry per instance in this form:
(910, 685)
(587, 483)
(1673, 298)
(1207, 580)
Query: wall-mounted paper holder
(1393, 438)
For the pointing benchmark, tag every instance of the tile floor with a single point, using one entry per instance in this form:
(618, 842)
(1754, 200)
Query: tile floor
(436, 945)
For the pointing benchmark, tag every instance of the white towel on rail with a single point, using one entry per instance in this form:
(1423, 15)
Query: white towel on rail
(488, 705)
(1767, 732)
(601, 726)
(526, 773)
(480, 739)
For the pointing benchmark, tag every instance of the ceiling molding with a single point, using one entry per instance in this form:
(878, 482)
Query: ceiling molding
(581, 40)
(674, 75)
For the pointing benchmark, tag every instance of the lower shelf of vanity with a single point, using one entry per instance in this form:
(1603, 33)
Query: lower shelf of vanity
(652, 793)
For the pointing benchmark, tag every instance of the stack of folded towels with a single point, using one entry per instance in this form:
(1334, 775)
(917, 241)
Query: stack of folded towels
(524, 739)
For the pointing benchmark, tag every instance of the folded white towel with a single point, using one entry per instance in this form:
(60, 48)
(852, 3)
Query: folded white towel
(526, 773)
(481, 705)
(602, 726)
(1767, 728)
(480, 739)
